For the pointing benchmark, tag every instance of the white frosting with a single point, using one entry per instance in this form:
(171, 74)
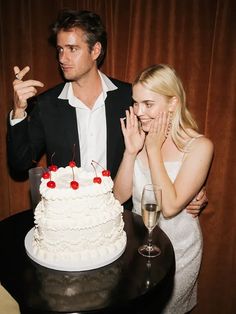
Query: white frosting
(63, 176)
(83, 225)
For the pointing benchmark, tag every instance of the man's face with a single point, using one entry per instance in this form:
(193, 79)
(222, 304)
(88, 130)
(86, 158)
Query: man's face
(74, 56)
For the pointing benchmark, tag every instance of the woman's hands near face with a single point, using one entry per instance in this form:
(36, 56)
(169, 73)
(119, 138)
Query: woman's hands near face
(133, 135)
(158, 132)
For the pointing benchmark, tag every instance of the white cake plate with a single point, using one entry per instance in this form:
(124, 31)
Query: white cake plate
(62, 265)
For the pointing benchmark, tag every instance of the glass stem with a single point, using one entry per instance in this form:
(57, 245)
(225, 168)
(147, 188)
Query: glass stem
(149, 239)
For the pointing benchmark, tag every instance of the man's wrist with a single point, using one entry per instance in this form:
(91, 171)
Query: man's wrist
(18, 114)
(16, 120)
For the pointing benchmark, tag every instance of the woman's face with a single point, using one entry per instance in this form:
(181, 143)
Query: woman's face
(148, 105)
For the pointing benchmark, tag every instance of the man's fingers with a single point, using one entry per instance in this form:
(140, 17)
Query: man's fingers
(201, 194)
(21, 73)
(16, 69)
(29, 83)
(201, 203)
(196, 205)
(192, 208)
(194, 212)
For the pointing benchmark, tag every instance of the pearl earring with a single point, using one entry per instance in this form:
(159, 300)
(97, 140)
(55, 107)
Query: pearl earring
(170, 116)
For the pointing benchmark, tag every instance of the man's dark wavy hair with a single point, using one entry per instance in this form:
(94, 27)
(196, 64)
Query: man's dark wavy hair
(87, 21)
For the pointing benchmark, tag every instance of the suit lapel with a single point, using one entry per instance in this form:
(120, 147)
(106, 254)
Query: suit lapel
(110, 120)
(70, 129)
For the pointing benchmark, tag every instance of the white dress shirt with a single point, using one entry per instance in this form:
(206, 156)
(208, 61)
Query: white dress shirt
(92, 128)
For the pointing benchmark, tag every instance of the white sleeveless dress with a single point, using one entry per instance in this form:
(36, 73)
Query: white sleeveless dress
(185, 234)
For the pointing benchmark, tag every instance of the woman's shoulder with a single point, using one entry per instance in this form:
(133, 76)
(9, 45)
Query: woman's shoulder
(200, 142)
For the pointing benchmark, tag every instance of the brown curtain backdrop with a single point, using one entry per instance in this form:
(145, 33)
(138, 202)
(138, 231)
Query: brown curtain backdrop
(198, 38)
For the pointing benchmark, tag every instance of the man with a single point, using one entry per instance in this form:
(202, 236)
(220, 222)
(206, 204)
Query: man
(78, 119)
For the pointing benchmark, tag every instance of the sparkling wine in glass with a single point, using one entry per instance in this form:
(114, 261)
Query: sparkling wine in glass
(151, 209)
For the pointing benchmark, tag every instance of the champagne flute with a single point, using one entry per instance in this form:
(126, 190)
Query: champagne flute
(151, 209)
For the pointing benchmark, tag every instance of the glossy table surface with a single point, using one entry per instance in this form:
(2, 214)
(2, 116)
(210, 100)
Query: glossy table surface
(131, 283)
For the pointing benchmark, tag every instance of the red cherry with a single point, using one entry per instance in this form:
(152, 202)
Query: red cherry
(72, 164)
(74, 185)
(53, 168)
(97, 180)
(106, 173)
(46, 175)
(51, 184)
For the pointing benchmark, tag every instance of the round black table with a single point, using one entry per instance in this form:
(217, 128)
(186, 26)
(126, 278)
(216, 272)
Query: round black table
(131, 283)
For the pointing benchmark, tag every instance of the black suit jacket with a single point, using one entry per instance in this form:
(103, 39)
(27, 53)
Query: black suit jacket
(51, 127)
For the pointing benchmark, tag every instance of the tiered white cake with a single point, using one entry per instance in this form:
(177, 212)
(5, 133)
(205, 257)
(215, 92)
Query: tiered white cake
(79, 225)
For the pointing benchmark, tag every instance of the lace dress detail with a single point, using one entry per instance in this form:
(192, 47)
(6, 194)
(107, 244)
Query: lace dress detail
(185, 234)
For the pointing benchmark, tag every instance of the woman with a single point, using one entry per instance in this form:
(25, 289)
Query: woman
(163, 147)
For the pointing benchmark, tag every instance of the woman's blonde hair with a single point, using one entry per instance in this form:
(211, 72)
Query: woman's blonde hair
(163, 80)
